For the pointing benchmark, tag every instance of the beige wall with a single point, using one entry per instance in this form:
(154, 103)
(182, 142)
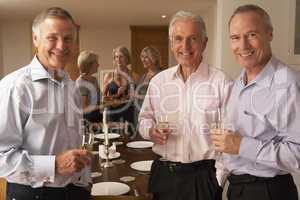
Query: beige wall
(102, 40)
(15, 44)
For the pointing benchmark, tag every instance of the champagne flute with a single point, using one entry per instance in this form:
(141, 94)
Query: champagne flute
(217, 124)
(87, 141)
(161, 125)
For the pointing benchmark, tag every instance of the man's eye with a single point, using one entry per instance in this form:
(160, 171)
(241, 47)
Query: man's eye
(51, 38)
(251, 35)
(234, 38)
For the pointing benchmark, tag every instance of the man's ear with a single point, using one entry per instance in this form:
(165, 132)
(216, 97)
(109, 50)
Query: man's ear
(35, 39)
(205, 43)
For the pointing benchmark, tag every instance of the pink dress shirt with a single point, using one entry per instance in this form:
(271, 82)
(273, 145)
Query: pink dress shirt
(191, 108)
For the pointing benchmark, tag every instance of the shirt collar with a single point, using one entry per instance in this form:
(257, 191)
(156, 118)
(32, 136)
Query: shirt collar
(202, 71)
(265, 77)
(38, 72)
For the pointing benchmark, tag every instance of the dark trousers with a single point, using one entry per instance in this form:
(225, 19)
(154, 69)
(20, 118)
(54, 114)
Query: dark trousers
(248, 187)
(177, 181)
(24, 192)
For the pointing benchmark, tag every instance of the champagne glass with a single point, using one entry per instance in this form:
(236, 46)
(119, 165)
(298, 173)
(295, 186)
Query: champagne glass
(217, 124)
(87, 141)
(162, 124)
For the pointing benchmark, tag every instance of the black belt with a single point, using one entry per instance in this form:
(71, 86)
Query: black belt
(20, 191)
(247, 178)
(187, 167)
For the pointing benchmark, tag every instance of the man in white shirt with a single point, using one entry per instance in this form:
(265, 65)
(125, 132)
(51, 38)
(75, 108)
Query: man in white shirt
(40, 126)
(191, 96)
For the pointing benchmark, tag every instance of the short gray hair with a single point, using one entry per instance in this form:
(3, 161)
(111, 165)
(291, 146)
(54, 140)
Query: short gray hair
(53, 12)
(184, 15)
(256, 9)
(85, 61)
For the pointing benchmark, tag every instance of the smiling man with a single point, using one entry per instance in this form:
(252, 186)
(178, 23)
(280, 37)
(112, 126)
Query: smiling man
(40, 125)
(188, 97)
(262, 145)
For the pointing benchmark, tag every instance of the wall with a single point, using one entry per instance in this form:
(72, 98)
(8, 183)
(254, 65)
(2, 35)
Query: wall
(15, 44)
(210, 20)
(102, 40)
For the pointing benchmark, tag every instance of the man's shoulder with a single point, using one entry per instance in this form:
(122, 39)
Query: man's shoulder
(165, 74)
(16, 77)
(286, 74)
(219, 75)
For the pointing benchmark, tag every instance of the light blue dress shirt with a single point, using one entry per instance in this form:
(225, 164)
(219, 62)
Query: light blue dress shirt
(266, 112)
(40, 118)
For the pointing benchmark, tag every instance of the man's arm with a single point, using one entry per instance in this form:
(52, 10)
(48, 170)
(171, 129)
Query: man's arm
(282, 151)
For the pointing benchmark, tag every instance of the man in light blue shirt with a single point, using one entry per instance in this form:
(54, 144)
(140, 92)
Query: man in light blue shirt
(40, 123)
(260, 140)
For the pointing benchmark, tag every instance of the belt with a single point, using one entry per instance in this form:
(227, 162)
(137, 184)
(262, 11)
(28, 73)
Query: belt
(247, 178)
(187, 167)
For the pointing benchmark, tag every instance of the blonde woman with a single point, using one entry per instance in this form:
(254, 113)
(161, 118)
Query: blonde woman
(120, 85)
(88, 85)
(150, 58)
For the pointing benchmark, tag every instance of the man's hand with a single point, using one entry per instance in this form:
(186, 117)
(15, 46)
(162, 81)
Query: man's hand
(159, 137)
(226, 141)
(72, 161)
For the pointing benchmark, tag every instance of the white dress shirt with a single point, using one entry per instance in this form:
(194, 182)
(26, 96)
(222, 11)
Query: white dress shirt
(190, 106)
(40, 118)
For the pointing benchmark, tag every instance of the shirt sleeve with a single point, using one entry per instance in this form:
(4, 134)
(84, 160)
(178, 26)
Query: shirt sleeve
(283, 150)
(15, 161)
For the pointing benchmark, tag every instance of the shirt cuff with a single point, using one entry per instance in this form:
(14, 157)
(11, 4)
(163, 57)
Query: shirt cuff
(44, 167)
(249, 148)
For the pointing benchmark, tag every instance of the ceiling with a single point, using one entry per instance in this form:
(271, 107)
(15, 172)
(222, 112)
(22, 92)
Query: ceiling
(106, 12)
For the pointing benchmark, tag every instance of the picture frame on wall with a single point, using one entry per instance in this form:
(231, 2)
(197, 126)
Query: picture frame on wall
(294, 46)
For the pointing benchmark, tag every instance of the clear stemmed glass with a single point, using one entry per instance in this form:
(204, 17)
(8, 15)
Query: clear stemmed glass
(217, 124)
(162, 124)
(87, 141)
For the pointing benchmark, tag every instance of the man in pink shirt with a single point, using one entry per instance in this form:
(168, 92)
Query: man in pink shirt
(187, 99)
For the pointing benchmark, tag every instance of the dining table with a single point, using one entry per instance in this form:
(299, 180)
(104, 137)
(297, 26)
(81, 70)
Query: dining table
(122, 171)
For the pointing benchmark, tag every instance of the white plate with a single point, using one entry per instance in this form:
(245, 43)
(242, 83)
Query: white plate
(110, 136)
(112, 156)
(144, 165)
(109, 188)
(140, 144)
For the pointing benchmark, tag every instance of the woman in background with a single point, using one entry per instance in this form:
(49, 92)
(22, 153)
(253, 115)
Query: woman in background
(88, 85)
(150, 58)
(119, 85)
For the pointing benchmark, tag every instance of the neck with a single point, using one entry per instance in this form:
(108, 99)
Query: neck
(186, 71)
(123, 69)
(252, 72)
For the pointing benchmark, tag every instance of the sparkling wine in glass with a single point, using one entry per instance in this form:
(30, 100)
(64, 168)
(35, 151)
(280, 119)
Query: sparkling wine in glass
(162, 124)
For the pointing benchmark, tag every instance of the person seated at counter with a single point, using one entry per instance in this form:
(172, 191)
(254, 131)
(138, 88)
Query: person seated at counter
(119, 88)
(88, 85)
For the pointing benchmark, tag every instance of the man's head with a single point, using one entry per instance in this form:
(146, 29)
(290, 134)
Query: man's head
(188, 38)
(251, 33)
(54, 36)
